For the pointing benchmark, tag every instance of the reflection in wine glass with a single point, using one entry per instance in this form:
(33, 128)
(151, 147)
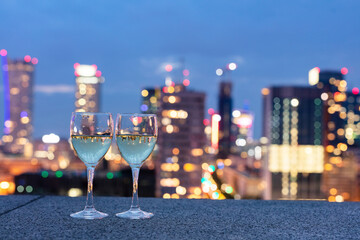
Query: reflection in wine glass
(136, 135)
(91, 136)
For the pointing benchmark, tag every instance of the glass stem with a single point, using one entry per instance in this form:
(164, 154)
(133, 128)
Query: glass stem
(89, 199)
(135, 198)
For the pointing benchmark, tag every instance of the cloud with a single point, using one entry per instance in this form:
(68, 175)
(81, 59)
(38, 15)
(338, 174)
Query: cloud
(238, 59)
(53, 89)
(158, 64)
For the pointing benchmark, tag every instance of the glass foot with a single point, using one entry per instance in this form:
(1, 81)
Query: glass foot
(89, 213)
(135, 214)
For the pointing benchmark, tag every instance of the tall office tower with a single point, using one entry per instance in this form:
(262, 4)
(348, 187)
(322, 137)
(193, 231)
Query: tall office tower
(225, 111)
(150, 100)
(88, 86)
(181, 142)
(340, 134)
(18, 91)
(292, 124)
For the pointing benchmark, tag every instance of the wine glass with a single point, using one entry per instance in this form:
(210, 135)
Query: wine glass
(136, 135)
(91, 136)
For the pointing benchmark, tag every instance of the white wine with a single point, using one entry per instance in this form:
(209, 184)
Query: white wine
(135, 149)
(91, 149)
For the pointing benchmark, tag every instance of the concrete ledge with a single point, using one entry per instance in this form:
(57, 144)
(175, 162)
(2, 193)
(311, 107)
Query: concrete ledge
(9, 203)
(48, 218)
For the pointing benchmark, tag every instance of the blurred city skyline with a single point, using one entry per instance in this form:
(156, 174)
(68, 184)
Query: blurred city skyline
(271, 43)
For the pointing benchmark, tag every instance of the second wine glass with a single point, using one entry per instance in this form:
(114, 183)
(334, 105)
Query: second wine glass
(136, 135)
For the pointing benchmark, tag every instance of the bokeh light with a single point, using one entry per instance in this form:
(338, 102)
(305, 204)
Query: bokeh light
(344, 71)
(168, 68)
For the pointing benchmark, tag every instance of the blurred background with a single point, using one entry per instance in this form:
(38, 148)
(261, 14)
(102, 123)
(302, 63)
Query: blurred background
(255, 100)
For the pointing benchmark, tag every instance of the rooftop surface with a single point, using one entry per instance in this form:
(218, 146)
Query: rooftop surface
(47, 217)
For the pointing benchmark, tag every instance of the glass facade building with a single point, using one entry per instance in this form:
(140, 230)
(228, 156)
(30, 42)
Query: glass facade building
(88, 87)
(293, 127)
(18, 77)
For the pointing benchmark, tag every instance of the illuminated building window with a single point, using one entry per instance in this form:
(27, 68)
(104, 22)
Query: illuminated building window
(92, 104)
(265, 91)
(25, 78)
(340, 132)
(331, 126)
(294, 102)
(25, 120)
(14, 91)
(171, 89)
(189, 167)
(92, 91)
(82, 101)
(153, 99)
(7, 138)
(169, 129)
(24, 99)
(25, 84)
(175, 151)
(170, 182)
(196, 152)
(166, 121)
(166, 196)
(144, 93)
(331, 136)
(180, 190)
(82, 91)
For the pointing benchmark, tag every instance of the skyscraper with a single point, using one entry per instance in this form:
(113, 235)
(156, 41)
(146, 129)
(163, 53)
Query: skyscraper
(225, 112)
(88, 87)
(293, 126)
(18, 91)
(340, 135)
(181, 142)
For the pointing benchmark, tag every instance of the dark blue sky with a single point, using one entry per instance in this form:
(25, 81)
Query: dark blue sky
(273, 42)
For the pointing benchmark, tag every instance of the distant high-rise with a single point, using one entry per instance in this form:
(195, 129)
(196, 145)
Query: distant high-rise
(181, 142)
(18, 92)
(340, 136)
(88, 86)
(225, 112)
(293, 124)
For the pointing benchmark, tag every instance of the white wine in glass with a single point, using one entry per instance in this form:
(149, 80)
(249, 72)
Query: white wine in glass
(136, 135)
(91, 136)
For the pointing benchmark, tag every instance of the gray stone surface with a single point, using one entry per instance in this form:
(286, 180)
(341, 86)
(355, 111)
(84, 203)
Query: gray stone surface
(48, 218)
(8, 203)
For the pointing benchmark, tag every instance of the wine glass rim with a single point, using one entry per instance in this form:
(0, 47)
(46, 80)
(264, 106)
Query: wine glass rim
(92, 113)
(136, 114)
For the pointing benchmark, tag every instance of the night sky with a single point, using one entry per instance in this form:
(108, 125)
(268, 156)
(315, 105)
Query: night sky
(273, 43)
